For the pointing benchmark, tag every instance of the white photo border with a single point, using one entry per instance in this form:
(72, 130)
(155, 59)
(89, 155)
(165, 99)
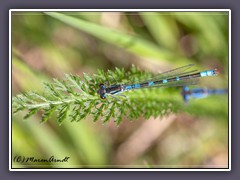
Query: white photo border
(120, 10)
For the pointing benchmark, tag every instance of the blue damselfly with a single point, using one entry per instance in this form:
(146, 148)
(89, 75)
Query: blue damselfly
(200, 92)
(181, 76)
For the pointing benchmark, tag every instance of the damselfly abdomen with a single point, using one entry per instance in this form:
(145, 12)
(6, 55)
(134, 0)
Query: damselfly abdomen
(181, 76)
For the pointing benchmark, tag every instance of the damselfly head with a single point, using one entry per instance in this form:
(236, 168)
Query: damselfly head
(102, 91)
(185, 93)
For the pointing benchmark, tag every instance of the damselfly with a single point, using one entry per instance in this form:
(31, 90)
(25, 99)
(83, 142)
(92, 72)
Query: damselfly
(181, 76)
(200, 92)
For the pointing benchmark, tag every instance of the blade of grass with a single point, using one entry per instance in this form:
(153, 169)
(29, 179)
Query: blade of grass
(163, 28)
(25, 74)
(85, 138)
(133, 44)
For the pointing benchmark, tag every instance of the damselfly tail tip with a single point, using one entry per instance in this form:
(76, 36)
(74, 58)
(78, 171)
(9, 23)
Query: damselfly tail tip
(216, 72)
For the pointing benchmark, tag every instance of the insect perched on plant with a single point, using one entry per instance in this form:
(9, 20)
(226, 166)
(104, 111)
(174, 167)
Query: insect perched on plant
(181, 76)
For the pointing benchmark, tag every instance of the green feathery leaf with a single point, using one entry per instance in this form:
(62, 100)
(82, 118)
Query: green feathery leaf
(74, 99)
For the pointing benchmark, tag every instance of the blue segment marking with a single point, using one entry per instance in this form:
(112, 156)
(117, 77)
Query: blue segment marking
(134, 86)
(198, 94)
(207, 73)
(186, 88)
(177, 78)
(137, 86)
(204, 73)
(150, 83)
(165, 81)
(186, 97)
(128, 87)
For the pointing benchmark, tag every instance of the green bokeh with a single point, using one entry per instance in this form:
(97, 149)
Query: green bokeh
(48, 45)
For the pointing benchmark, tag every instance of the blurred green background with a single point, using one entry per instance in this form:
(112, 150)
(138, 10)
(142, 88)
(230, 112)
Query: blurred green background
(48, 45)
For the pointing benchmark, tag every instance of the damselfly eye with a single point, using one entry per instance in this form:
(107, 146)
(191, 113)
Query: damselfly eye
(103, 96)
(102, 91)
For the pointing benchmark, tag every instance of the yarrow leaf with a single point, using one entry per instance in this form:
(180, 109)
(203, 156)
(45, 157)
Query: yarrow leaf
(74, 98)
